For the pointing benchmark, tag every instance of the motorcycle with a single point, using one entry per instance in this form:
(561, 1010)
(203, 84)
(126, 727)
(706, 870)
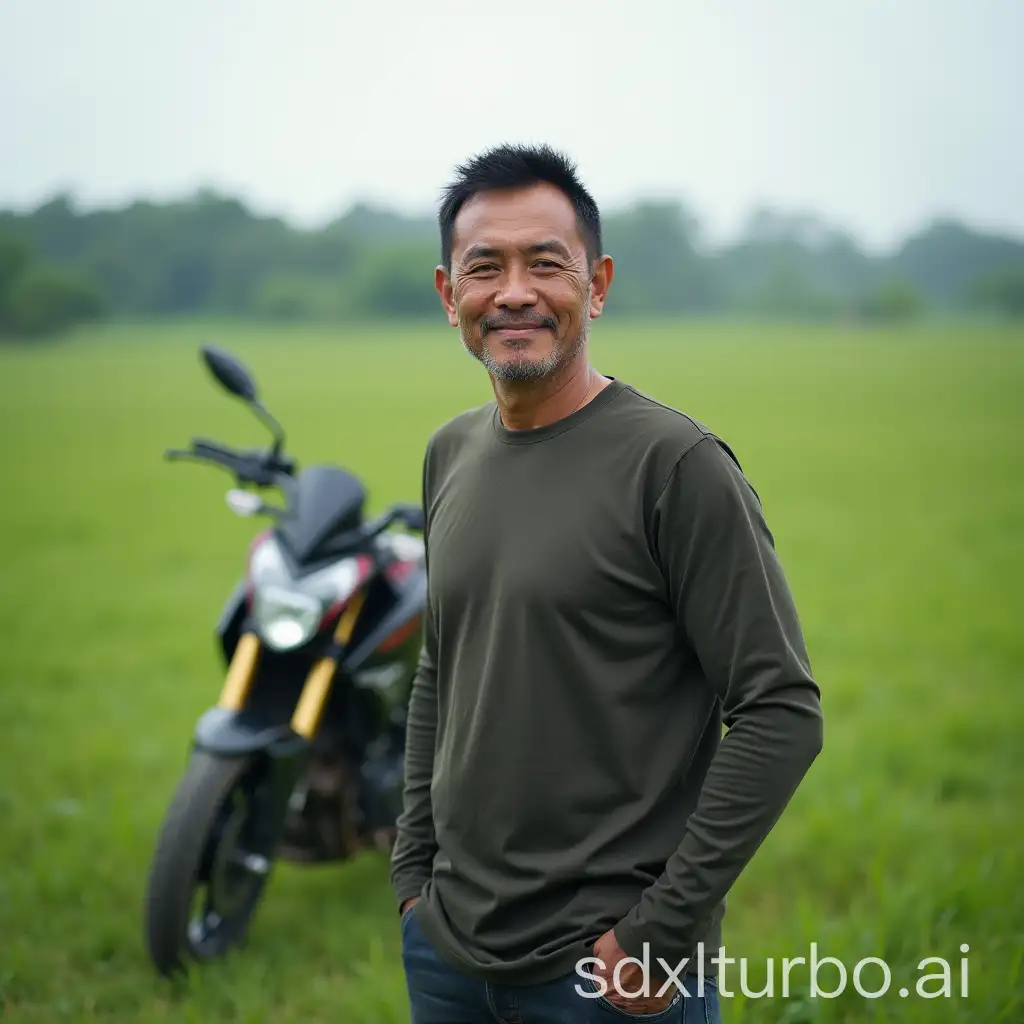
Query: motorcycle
(301, 759)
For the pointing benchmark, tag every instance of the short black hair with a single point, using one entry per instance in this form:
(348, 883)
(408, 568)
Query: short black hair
(518, 166)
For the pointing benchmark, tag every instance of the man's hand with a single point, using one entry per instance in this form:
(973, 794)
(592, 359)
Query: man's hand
(407, 904)
(631, 979)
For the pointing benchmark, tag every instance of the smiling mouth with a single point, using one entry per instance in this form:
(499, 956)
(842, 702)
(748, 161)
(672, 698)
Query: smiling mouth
(518, 332)
(517, 329)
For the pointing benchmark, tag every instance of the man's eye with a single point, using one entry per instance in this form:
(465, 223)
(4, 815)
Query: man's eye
(482, 268)
(546, 264)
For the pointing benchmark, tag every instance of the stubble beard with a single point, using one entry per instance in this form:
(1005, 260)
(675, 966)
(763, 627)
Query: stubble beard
(521, 369)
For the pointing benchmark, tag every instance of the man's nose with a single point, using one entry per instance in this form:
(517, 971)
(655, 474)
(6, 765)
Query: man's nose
(515, 290)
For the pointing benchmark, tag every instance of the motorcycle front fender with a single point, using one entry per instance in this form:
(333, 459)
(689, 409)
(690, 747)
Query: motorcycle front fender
(239, 733)
(283, 755)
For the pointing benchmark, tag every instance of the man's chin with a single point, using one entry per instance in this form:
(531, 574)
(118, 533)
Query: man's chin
(519, 366)
(523, 361)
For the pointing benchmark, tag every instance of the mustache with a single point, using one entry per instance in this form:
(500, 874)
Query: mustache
(515, 320)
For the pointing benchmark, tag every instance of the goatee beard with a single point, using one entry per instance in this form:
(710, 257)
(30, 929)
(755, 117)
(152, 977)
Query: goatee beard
(523, 370)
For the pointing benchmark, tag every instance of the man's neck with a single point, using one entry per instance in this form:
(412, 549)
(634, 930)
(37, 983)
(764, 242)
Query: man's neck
(528, 405)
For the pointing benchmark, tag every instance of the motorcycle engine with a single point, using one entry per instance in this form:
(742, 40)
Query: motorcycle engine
(336, 810)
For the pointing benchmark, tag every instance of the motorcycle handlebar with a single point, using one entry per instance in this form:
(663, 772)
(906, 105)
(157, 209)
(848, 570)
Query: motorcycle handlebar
(265, 469)
(261, 468)
(411, 516)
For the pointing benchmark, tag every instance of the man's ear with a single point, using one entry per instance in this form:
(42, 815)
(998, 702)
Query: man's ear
(600, 282)
(443, 284)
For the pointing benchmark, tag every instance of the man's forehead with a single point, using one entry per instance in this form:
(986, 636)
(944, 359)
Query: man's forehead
(516, 218)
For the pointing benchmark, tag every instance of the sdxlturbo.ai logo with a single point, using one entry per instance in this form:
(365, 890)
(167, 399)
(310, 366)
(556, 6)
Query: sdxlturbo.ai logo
(870, 970)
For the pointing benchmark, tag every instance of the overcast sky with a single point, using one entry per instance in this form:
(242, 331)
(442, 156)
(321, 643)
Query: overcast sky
(880, 114)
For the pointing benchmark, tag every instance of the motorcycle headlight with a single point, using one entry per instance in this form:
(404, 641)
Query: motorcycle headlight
(289, 611)
(285, 618)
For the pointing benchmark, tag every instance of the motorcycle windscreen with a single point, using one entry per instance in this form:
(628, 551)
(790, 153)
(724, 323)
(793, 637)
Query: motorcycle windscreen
(327, 501)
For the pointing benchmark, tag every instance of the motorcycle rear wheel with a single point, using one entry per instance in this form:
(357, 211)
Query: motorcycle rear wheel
(202, 854)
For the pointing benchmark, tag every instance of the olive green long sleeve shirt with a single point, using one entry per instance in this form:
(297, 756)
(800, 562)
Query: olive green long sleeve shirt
(603, 593)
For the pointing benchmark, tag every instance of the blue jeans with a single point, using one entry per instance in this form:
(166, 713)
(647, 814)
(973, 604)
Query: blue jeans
(439, 994)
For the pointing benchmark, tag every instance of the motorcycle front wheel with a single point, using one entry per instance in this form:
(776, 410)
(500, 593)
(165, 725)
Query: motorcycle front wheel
(207, 874)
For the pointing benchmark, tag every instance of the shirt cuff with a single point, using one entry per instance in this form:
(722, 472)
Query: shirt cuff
(410, 889)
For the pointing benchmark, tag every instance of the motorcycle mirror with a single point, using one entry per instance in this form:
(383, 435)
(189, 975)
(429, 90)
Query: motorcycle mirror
(230, 373)
(237, 379)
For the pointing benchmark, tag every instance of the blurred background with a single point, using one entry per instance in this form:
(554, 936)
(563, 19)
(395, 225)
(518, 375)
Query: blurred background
(817, 217)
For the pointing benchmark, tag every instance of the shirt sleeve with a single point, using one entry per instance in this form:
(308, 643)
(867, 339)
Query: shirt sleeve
(735, 609)
(415, 846)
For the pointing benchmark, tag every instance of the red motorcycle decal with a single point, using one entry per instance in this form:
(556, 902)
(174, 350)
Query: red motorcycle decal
(399, 636)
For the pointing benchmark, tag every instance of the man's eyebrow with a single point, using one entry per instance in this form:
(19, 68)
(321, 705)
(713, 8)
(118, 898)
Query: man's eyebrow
(550, 245)
(478, 251)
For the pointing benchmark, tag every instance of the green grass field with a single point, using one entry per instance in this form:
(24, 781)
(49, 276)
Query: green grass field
(891, 468)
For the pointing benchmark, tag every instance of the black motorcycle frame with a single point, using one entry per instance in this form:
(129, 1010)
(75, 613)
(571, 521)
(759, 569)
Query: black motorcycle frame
(327, 713)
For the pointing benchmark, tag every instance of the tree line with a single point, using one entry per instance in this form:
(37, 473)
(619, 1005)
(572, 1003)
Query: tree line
(210, 254)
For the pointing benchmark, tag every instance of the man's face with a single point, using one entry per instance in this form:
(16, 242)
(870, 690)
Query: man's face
(521, 289)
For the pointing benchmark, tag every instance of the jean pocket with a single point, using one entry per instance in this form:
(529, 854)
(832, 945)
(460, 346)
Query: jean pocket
(668, 1012)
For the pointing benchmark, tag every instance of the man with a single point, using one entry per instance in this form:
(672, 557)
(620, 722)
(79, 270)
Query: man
(603, 593)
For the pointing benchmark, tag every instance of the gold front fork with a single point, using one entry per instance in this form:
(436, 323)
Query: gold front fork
(240, 672)
(318, 683)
